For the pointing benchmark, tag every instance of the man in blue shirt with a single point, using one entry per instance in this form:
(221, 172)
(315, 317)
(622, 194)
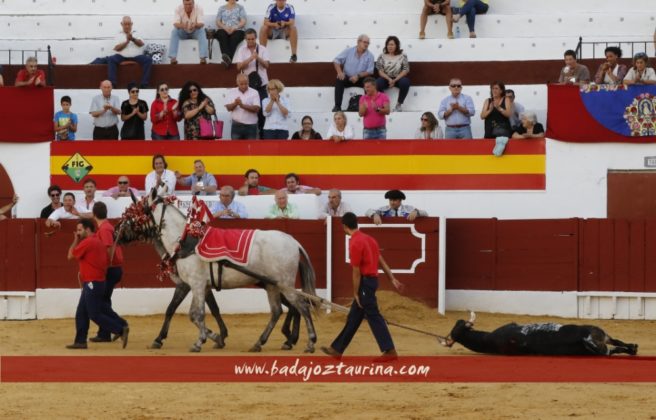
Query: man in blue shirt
(352, 65)
(201, 182)
(456, 111)
(280, 23)
(227, 207)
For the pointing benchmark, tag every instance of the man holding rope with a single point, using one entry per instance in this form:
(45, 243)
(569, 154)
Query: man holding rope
(115, 258)
(365, 258)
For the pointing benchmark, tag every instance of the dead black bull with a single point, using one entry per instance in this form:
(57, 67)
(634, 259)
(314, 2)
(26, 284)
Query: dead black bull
(546, 339)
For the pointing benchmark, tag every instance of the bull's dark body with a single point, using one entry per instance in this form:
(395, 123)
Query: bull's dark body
(538, 339)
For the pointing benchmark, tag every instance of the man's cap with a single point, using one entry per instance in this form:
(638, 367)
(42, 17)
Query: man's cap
(395, 195)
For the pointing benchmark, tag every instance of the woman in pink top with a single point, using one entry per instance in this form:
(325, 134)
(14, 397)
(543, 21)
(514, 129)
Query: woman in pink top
(374, 106)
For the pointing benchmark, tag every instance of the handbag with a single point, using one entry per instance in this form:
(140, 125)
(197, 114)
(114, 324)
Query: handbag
(254, 78)
(354, 103)
(211, 129)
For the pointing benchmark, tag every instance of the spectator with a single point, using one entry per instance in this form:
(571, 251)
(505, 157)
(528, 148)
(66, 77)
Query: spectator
(530, 127)
(469, 9)
(123, 189)
(276, 111)
(352, 65)
(230, 22)
(243, 103)
(307, 131)
(195, 105)
(640, 74)
(280, 23)
(30, 76)
(611, 72)
(518, 109)
(104, 110)
(430, 128)
(395, 208)
(188, 24)
(2, 80)
(432, 7)
(339, 129)
(65, 121)
(129, 48)
(227, 207)
(89, 188)
(573, 73)
(4, 209)
(54, 192)
(68, 211)
(374, 106)
(252, 184)
(456, 111)
(393, 69)
(496, 112)
(164, 114)
(253, 61)
(282, 209)
(293, 186)
(160, 177)
(201, 182)
(134, 112)
(335, 207)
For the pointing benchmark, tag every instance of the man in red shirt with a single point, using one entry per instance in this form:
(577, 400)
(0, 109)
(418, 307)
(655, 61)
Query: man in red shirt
(365, 258)
(30, 75)
(115, 270)
(92, 256)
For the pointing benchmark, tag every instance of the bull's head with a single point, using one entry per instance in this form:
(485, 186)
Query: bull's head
(457, 331)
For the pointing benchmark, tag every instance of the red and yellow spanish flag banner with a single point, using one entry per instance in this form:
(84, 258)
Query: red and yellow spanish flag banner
(353, 165)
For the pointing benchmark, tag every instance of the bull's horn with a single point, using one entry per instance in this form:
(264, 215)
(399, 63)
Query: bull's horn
(472, 317)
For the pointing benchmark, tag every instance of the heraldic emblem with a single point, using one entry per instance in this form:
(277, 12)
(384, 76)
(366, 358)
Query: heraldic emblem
(640, 116)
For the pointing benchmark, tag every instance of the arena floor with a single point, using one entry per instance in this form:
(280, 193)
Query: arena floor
(311, 400)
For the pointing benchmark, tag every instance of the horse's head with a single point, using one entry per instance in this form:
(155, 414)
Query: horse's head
(458, 330)
(138, 222)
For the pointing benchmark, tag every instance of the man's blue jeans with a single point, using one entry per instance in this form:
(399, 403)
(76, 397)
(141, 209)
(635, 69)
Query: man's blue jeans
(470, 10)
(178, 34)
(458, 132)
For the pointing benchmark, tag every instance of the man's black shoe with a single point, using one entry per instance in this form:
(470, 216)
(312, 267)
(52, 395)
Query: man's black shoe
(97, 339)
(77, 346)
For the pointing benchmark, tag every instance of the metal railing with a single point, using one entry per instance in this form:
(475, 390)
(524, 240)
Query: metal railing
(595, 49)
(18, 57)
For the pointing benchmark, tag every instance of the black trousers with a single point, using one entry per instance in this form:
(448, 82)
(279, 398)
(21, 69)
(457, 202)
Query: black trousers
(105, 133)
(229, 42)
(340, 85)
(112, 278)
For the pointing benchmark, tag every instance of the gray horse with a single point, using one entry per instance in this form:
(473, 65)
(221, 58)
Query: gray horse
(274, 255)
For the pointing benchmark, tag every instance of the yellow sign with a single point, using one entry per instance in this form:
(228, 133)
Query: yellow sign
(77, 167)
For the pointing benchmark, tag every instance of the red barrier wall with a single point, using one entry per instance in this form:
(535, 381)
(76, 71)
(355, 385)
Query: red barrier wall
(30, 111)
(17, 256)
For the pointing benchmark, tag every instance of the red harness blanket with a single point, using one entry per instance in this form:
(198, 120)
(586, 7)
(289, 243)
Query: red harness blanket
(226, 244)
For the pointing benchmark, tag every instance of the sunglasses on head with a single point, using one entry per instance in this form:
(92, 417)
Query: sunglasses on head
(456, 86)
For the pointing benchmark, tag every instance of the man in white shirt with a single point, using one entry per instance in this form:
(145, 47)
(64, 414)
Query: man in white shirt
(89, 198)
(129, 48)
(293, 186)
(335, 207)
(188, 24)
(243, 103)
(68, 211)
(105, 109)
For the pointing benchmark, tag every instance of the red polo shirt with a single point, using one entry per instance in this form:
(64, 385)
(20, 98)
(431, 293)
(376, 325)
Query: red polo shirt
(106, 235)
(364, 252)
(93, 259)
(24, 76)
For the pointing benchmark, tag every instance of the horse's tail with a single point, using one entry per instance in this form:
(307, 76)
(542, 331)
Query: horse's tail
(308, 277)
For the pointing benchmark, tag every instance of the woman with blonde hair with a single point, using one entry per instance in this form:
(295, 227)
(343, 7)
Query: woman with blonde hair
(339, 130)
(276, 111)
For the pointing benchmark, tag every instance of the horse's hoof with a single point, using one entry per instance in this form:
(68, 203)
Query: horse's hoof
(219, 344)
(255, 349)
(195, 349)
(156, 345)
(309, 350)
(286, 346)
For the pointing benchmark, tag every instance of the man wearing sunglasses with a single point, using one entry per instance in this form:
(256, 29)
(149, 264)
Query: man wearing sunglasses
(122, 189)
(54, 192)
(456, 111)
(129, 48)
